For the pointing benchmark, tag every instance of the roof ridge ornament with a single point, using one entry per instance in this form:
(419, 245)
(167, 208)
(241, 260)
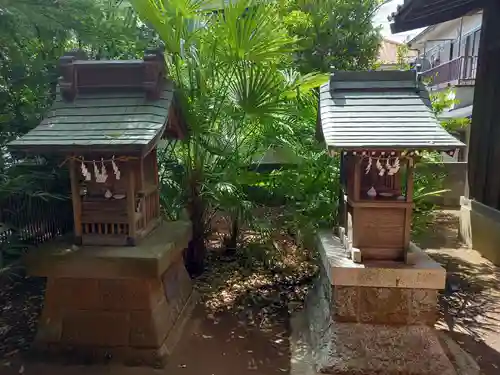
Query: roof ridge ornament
(68, 80)
(374, 80)
(154, 73)
(78, 74)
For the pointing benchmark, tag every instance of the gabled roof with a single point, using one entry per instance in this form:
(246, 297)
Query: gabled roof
(115, 106)
(414, 14)
(380, 110)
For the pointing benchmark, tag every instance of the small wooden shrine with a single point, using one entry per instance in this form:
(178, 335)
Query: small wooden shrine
(379, 122)
(107, 121)
(119, 289)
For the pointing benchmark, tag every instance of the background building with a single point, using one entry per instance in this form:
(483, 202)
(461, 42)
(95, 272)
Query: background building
(388, 54)
(448, 54)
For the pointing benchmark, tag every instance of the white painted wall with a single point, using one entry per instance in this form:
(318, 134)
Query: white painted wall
(433, 37)
(464, 95)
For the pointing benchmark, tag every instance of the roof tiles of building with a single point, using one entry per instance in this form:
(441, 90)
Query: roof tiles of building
(380, 110)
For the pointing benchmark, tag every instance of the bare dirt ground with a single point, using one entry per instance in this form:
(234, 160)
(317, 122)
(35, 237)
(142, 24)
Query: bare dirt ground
(241, 325)
(470, 304)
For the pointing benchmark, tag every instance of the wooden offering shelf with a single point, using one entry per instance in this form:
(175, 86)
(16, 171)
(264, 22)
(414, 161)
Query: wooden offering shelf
(380, 202)
(379, 225)
(379, 228)
(112, 211)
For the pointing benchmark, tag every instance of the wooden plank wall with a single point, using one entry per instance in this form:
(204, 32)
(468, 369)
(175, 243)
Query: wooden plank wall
(484, 146)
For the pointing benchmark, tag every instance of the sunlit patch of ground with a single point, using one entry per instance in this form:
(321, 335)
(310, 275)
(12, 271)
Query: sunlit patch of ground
(470, 304)
(268, 272)
(240, 326)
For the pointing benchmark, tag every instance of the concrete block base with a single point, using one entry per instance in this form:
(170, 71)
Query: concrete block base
(375, 317)
(402, 306)
(134, 316)
(367, 349)
(418, 272)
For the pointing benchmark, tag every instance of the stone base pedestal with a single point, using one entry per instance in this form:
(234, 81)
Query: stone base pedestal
(123, 303)
(375, 317)
(368, 349)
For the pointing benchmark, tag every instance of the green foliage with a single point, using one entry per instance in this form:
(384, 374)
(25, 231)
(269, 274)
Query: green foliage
(332, 33)
(239, 95)
(34, 34)
(402, 56)
(308, 192)
(429, 181)
(441, 101)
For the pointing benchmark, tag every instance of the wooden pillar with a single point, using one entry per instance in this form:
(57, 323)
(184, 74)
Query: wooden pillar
(132, 230)
(484, 155)
(141, 179)
(357, 177)
(341, 209)
(409, 180)
(154, 156)
(408, 210)
(77, 202)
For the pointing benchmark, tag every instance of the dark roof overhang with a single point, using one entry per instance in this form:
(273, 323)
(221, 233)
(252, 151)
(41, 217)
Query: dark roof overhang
(414, 14)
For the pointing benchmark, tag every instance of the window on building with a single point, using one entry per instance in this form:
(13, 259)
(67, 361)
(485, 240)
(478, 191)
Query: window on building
(452, 50)
(477, 38)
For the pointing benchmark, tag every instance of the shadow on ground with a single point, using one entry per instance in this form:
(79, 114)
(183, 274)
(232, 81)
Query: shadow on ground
(226, 344)
(240, 326)
(470, 303)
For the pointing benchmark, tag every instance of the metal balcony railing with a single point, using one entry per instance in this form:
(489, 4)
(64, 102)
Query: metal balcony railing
(461, 70)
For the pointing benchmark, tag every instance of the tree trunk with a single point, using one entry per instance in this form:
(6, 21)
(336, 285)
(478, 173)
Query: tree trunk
(233, 237)
(195, 254)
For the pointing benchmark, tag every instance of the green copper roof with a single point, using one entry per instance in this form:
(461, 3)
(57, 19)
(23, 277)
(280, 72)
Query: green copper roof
(107, 121)
(380, 110)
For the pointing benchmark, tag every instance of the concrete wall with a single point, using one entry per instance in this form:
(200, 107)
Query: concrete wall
(455, 179)
(464, 95)
(480, 228)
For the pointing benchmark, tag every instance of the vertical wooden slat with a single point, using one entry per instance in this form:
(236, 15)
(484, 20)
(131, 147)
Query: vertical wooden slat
(407, 229)
(149, 208)
(408, 211)
(76, 200)
(355, 226)
(483, 105)
(142, 182)
(357, 177)
(397, 182)
(492, 177)
(155, 166)
(131, 204)
(156, 204)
